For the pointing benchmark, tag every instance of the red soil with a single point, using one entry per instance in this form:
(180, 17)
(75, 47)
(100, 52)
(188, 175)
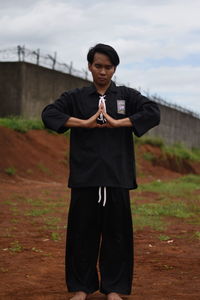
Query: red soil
(163, 269)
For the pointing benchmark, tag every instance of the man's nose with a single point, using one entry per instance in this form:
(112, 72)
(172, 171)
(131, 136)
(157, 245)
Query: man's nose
(103, 71)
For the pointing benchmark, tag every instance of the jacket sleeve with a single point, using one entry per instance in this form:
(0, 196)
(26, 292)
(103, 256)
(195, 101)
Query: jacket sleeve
(146, 113)
(56, 114)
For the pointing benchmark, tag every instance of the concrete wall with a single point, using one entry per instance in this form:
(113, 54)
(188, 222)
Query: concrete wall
(177, 127)
(26, 88)
(10, 89)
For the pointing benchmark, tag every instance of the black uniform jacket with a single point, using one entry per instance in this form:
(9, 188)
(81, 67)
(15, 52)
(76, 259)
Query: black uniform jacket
(102, 156)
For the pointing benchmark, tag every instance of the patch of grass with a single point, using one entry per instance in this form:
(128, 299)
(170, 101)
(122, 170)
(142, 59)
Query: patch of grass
(16, 247)
(52, 220)
(195, 220)
(36, 250)
(163, 237)
(14, 211)
(191, 178)
(44, 169)
(180, 151)
(154, 141)
(35, 202)
(56, 204)
(9, 202)
(170, 209)
(154, 222)
(15, 221)
(180, 187)
(197, 235)
(37, 212)
(20, 124)
(10, 171)
(153, 214)
(149, 156)
(55, 236)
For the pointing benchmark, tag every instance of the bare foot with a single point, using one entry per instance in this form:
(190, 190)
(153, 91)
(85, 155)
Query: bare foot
(79, 296)
(113, 296)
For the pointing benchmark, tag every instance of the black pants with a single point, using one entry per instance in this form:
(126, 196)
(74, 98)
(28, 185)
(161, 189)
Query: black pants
(96, 231)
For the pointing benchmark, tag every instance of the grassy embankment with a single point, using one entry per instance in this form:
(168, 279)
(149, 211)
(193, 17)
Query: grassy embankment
(177, 199)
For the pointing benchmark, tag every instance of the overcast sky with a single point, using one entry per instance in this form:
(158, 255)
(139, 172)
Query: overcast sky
(158, 41)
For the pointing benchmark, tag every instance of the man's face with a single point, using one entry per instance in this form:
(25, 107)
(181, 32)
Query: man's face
(102, 69)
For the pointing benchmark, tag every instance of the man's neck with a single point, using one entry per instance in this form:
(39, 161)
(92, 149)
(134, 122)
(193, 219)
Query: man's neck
(102, 89)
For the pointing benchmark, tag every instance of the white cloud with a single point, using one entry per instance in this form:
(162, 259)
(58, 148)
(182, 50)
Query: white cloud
(180, 84)
(139, 30)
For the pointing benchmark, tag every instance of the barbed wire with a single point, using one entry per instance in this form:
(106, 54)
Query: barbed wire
(163, 102)
(20, 53)
(23, 54)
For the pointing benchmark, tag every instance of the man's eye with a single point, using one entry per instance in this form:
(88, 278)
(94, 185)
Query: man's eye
(98, 66)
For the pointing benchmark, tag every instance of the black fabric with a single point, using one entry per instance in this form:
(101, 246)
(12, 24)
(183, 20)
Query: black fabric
(102, 156)
(100, 231)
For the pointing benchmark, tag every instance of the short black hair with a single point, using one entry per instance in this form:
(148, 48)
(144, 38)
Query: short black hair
(105, 49)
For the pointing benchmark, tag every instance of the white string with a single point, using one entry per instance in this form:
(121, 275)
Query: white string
(104, 201)
(104, 196)
(102, 100)
(99, 194)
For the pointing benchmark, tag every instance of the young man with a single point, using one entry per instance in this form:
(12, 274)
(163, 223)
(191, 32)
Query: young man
(102, 118)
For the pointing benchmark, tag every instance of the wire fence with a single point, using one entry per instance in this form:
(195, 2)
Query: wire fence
(163, 102)
(20, 53)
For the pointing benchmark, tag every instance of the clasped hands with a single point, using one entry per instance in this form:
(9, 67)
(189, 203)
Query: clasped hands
(92, 121)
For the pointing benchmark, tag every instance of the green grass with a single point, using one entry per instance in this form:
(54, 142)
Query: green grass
(35, 202)
(197, 235)
(170, 209)
(10, 171)
(15, 221)
(55, 236)
(173, 199)
(163, 237)
(52, 221)
(154, 141)
(142, 221)
(16, 247)
(9, 202)
(182, 186)
(20, 124)
(44, 169)
(36, 250)
(38, 212)
(180, 152)
(15, 211)
(48, 203)
(149, 156)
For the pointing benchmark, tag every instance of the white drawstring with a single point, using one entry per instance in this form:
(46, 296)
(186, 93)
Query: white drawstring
(102, 100)
(105, 195)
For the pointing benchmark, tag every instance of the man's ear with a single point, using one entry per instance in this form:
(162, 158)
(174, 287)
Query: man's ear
(89, 67)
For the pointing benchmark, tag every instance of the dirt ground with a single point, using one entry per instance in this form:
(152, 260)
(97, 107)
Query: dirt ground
(34, 201)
